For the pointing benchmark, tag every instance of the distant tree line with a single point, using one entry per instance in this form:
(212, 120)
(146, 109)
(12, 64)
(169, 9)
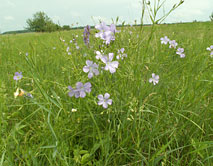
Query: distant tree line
(42, 23)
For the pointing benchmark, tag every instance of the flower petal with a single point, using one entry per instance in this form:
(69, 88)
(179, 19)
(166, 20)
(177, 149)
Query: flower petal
(106, 96)
(90, 75)
(109, 101)
(89, 63)
(79, 85)
(105, 105)
(100, 97)
(86, 69)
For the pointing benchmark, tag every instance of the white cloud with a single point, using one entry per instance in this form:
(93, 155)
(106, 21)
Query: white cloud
(9, 18)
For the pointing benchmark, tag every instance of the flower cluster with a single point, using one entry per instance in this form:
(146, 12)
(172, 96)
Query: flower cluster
(173, 44)
(107, 33)
(20, 92)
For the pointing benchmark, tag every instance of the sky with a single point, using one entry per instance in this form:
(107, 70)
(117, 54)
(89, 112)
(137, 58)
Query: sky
(14, 13)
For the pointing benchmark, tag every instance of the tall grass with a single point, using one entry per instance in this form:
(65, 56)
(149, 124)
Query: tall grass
(166, 124)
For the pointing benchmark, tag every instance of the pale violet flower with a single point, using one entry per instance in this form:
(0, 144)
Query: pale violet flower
(164, 40)
(18, 76)
(67, 50)
(110, 65)
(104, 100)
(91, 68)
(154, 79)
(99, 54)
(80, 90)
(106, 33)
(173, 44)
(210, 49)
(121, 54)
(180, 51)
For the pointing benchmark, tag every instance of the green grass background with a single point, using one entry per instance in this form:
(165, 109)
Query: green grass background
(167, 124)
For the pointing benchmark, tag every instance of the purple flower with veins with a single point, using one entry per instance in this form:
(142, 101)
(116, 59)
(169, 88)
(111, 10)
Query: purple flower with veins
(110, 65)
(154, 79)
(164, 40)
(210, 49)
(173, 44)
(18, 76)
(104, 100)
(180, 52)
(92, 68)
(80, 90)
(86, 34)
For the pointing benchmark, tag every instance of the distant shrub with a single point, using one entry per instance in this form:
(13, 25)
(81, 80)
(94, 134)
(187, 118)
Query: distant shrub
(66, 27)
(211, 17)
(41, 23)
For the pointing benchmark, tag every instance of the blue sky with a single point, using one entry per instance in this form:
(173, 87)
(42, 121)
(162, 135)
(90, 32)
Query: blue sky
(14, 13)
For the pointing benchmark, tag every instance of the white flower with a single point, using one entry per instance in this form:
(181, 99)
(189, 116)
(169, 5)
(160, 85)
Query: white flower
(110, 65)
(74, 110)
(92, 68)
(104, 100)
(154, 79)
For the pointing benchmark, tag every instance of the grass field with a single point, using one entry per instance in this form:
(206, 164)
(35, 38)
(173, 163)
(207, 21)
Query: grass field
(168, 124)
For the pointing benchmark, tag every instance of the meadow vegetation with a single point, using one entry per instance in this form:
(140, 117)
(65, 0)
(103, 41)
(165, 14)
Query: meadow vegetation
(169, 123)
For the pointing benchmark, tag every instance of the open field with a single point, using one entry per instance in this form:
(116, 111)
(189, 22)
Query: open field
(170, 123)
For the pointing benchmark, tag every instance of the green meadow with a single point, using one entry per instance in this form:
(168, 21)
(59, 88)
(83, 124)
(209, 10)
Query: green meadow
(167, 124)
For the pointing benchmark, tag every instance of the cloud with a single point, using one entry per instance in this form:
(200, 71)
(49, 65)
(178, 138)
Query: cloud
(9, 18)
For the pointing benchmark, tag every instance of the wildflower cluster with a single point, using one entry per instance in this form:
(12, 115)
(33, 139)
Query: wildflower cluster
(19, 91)
(173, 44)
(107, 33)
(69, 45)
